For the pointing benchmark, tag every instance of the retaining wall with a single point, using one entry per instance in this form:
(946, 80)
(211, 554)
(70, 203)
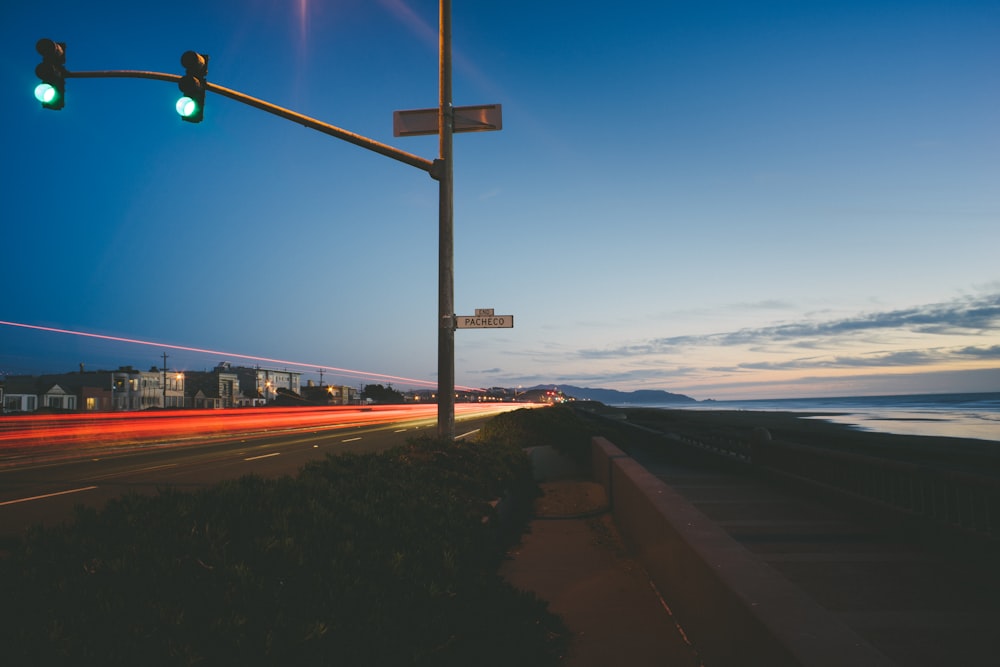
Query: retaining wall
(736, 609)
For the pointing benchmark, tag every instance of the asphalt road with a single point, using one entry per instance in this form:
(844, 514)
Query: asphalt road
(46, 493)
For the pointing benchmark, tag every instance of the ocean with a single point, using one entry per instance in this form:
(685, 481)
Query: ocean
(948, 415)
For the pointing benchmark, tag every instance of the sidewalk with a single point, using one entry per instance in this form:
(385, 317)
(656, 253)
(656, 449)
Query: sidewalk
(573, 557)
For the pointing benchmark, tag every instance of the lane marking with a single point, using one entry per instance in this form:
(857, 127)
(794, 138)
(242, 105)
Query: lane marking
(123, 473)
(47, 495)
(262, 456)
(466, 435)
(159, 467)
(351, 439)
(402, 430)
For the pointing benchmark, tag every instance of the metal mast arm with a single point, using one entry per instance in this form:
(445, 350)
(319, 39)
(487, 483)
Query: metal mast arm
(429, 166)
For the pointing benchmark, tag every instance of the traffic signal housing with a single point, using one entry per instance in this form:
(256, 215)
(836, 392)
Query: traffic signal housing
(193, 84)
(51, 92)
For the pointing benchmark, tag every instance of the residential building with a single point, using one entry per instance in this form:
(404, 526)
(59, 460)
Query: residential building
(94, 391)
(264, 383)
(329, 394)
(127, 388)
(217, 388)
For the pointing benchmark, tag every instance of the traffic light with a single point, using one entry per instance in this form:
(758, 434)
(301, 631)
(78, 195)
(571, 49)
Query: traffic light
(191, 106)
(51, 92)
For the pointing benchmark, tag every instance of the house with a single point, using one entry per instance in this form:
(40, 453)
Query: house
(217, 388)
(263, 383)
(28, 393)
(94, 391)
(21, 393)
(128, 388)
(329, 394)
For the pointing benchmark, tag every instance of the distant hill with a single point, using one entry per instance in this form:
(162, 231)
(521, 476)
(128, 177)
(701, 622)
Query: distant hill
(615, 397)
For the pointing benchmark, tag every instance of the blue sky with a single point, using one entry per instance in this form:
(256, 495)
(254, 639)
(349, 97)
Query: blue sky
(722, 199)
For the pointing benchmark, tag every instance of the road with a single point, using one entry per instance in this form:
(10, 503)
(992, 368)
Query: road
(193, 452)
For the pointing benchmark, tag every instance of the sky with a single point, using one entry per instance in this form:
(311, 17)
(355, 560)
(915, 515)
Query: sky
(727, 200)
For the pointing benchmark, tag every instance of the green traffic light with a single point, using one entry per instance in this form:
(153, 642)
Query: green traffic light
(46, 93)
(187, 107)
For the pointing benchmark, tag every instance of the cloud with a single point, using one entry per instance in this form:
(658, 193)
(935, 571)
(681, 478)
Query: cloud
(975, 380)
(992, 352)
(960, 336)
(635, 378)
(766, 304)
(902, 358)
(966, 315)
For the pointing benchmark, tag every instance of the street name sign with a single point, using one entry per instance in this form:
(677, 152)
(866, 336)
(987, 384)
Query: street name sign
(478, 118)
(484, 319)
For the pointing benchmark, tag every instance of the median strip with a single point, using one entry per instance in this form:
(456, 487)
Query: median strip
(47, 495)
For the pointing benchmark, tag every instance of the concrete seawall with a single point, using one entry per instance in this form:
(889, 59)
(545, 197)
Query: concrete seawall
(734, 607)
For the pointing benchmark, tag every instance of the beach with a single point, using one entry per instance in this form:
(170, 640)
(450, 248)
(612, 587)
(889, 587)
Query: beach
(963, 415)
(807, 428)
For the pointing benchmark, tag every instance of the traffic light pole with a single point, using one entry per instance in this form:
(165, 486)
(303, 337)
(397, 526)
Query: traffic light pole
(441, 169)
(446, 237)
(358, 140)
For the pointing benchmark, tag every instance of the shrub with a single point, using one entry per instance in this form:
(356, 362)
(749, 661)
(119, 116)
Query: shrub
(360, 559)
(557, 426)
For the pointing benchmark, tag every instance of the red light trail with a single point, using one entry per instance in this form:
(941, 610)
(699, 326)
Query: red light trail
(26, 438)
(337, 371)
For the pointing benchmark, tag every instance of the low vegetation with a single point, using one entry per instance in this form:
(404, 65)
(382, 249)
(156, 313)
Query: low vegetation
(559, 427)
(382, 559)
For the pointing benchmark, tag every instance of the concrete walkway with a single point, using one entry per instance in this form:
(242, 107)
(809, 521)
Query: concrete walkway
(573, 557)
(580, 566)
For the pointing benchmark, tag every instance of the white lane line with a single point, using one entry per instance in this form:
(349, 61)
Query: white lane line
(159, 467)
(262, 456)
(351, 439)
(47, 495)
(122, 473)
(466, 435)
(401, 430)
